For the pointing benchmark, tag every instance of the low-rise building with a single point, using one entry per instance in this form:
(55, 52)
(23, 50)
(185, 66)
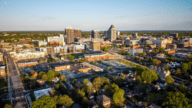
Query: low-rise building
(93, 67)
(171, 46)
(1, 57)
(62, 67)
(42, 92)
(95, 45)
(170, 51)
(135, 51)
(98, 56)
(28, 55)
(41, 43)
(2, 71)
(80, 67)
(104, 100)
(28, 64)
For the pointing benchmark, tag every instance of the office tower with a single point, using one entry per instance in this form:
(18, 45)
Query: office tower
(175, 35)
(95, 34)
(134, 35)
(105, 33)
(70, 35)
(77, 33)
(112, 33)
(118, 33)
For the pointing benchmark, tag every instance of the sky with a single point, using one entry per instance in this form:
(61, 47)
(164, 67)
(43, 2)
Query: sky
(56, 15)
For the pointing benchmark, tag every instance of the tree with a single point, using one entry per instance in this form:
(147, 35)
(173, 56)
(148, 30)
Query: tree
(50, 75)
(85, 101)
(128, 54)
(62, 78)
(105, 49)
(149, 76)
(166, 67)
(118, 96)
(175, 100)
(8, 106)
(33, 78)
(57, 86)
(41, 74)
(139, 79)
(65, 100)
(184, 68)
(169, 80)
(32, 72)
(45, 77)
(182, 88)
(85, 81)
(57, 74)
(44, 102)
(99, 81)
(155, 62)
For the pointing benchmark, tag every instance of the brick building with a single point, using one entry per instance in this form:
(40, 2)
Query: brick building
(80, 67)
(25, 40)
(77, 33)
(62, 67)
(171, 46)
(95, 45)
(28, 64)
(1, 57)
(69, 31)
(98, 56)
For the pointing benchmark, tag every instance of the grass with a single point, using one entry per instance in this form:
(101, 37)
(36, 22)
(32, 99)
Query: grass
(126, 62)
(77, 55)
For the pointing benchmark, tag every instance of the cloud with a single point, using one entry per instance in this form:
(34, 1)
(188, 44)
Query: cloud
(5, 2)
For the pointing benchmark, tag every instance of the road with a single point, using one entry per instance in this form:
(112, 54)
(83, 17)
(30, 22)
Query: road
(17, 91)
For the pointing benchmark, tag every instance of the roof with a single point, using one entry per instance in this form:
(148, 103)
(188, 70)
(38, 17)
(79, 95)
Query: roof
(76, 106)
(42, 92)
(103, 98)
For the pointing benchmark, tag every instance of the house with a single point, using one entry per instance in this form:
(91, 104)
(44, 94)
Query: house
(40, 81)
(104, 100)
(55, 80)
(69, 86)
(42, 92)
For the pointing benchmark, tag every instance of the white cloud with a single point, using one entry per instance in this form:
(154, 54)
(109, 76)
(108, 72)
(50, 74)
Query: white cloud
(5, 2)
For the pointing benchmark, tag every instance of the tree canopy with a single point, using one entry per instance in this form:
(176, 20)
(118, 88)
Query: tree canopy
(169, 80)
(149, 76)
(50, 75)
(65, 100)
(44, 102)
(176, 100)
(118, 96)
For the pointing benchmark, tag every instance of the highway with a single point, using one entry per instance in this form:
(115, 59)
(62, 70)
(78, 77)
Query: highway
(18, 98)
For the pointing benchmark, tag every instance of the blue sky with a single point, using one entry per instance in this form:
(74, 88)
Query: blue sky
(19, 15)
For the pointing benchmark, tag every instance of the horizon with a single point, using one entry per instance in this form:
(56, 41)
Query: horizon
(96, 15)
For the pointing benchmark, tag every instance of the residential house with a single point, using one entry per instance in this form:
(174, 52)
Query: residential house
(104, 100)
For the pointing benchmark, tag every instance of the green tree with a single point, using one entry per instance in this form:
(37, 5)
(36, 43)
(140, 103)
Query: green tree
(8, 106)
(139, 79)
(62, 78)
(44, 102)
(41, 74)
(169, 80)
(128, 54)
(33, 78)
(45, 77)
(182, 88)
(57, 86)
(184, 68)
(99, 82)
(118, 96)
(149, 76)
(57, 74)
(85, 101)
(85, 82)
(32, 72)
(105, 49)
(65, 100)
(175, 100)
(50, 75)
(155, 62)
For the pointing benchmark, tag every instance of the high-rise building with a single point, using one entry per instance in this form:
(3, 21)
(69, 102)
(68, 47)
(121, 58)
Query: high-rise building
(77, 33)
(112, 33)
(175, 35)
(70, 38)
(118, 33)
(134, 35)
(95, 34)
(105, 33)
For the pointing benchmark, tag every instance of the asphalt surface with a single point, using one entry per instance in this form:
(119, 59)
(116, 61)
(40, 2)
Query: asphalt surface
(17, 90)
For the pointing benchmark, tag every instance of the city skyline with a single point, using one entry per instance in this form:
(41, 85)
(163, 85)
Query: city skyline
(95, 15)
